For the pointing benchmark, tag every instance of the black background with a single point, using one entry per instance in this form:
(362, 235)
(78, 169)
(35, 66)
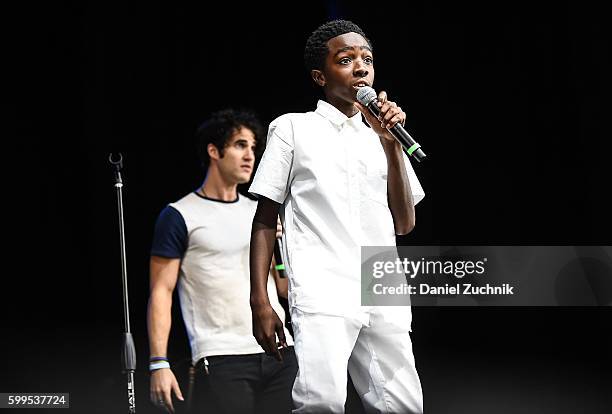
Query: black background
(510, 102)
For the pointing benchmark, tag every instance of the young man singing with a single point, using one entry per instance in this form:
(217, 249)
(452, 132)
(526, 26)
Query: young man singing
(338, 185)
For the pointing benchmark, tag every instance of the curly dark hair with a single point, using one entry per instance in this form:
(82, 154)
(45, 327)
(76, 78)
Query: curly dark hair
(316, 49)
(220, 127)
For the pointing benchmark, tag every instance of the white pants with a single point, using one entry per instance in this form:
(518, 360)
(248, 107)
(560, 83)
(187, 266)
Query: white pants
(374, 347)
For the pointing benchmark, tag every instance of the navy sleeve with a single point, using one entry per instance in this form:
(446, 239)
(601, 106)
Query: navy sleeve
(170, 236)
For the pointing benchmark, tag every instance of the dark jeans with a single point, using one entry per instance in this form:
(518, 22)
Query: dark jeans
(238, 384)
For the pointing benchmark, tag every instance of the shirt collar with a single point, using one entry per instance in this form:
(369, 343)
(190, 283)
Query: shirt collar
(332, 114)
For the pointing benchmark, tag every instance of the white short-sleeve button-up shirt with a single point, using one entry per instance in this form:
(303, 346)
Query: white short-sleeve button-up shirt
(329, 172)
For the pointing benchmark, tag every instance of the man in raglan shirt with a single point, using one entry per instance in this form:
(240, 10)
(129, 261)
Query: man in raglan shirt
(201, 242)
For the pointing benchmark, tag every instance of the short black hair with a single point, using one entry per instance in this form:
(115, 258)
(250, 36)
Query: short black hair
(219, 128)
(316, 49)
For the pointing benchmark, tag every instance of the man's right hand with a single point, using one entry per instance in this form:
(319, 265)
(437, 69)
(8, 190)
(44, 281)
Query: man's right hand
(163, 382)
(266, 327)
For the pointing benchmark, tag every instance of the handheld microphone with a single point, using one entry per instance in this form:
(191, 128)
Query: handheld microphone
(278, 258)
(368, 98)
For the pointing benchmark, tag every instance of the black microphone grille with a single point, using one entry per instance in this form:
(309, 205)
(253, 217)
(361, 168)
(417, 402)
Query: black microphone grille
(365, 95)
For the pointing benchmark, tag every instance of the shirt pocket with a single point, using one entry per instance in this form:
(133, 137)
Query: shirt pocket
(376, 185)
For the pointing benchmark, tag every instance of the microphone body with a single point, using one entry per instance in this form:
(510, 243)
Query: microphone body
(367, 97)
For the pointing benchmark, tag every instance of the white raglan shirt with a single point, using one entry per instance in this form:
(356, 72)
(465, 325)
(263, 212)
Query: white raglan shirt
(214, 278)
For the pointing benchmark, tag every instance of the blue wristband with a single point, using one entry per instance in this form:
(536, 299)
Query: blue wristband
(158, 365)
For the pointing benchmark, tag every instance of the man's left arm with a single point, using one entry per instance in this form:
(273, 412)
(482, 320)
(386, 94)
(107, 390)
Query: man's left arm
(399, 193)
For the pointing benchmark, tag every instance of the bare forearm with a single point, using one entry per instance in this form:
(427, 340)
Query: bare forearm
(401, 202)
(159, 321)
(263, 235)
(262, 246)
(266, 324)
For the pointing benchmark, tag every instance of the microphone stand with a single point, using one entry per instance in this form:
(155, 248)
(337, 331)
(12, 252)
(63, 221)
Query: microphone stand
(128, 354)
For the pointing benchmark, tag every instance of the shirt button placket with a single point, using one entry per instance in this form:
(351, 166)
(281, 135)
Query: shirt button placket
(348, 138)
